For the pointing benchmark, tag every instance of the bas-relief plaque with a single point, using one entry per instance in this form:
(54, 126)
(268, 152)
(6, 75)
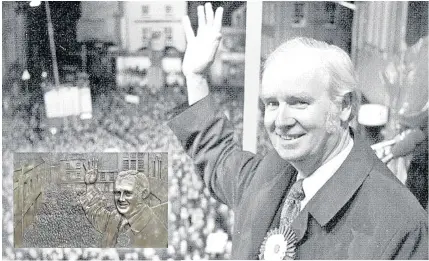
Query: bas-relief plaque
(91, 200)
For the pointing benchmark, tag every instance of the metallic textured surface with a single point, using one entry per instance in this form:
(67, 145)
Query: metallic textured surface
(54, 213)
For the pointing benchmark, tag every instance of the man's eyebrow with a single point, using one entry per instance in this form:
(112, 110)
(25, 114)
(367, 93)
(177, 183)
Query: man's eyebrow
(265, 96)
(300, 96)
(296, 96)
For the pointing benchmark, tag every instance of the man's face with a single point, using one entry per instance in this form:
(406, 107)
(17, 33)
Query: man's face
(126, 196)
(300, 118)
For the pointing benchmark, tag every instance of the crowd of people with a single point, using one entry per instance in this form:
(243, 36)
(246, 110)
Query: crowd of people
(199, 227)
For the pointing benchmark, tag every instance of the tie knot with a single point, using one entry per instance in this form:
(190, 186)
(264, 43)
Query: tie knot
(297, 191)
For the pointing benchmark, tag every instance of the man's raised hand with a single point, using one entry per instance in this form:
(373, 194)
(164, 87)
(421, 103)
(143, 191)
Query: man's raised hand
(91, 171)
(201, 48)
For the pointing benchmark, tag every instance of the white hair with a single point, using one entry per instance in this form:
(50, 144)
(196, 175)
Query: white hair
(140, 179)
(336, 62)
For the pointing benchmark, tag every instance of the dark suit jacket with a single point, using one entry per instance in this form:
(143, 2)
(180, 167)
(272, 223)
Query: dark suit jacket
(362, 212)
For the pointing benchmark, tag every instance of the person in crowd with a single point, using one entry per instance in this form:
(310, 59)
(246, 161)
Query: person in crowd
(139, 224)
(322, 193)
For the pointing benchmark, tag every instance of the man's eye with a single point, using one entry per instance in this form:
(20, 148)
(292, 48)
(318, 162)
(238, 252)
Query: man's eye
(127, 193)
(271, 105)
(300, 104)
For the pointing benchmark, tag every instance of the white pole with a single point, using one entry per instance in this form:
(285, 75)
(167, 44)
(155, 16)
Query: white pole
(252, 77)
(52, 44)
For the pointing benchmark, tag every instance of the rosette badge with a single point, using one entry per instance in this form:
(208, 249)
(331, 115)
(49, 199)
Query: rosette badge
(279, 244)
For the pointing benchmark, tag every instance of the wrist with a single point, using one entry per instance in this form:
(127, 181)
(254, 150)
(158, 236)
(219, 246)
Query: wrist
(197, 87)
(90, 187)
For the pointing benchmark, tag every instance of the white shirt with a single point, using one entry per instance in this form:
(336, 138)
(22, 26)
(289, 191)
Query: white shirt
(315, 181)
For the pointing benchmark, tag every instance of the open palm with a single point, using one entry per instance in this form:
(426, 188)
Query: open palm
(91, 171)
(201, 49)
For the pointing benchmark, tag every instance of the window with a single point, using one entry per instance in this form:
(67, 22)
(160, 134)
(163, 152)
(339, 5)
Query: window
(78, 166)
(133, 164)
(330, 8)
(78, 176)
(168, 34)
(112, 176)
(298, 15)
(145, 10)
(67, 165)
(168, 9)
(102, 176)
(154, 168)
(69, 175)
(140, 163)
(156, 35)
(146, 34)
(125, 164)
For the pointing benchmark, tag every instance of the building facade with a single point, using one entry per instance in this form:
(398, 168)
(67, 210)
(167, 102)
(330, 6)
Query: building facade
(133, 25)
(325, 21)
(31, 174)
(72, 172)
(153, 24)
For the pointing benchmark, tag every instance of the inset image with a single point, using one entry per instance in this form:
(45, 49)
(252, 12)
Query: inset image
(90, 200)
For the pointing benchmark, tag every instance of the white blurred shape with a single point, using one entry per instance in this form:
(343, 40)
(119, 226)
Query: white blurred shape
(132, 99)
(373, 115)
(172, 64)
(52, 104)
(183, 247)
(53, 130)
(73, 94)
(216, 242)
(86, 116)
(25, 75)
(35, 3)
(85, 100)
(149, 252)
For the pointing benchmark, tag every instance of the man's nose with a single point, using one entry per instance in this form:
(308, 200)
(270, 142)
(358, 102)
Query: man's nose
(284, 117)
(121, 198)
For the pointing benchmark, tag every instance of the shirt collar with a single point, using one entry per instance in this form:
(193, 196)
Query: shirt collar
(315, 181)
(341, 187)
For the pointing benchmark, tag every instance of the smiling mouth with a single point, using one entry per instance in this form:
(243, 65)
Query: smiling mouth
(122, 205)
(290, 136)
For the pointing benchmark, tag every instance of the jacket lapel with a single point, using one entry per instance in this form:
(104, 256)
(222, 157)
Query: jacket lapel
(339, 189)
(277, 177)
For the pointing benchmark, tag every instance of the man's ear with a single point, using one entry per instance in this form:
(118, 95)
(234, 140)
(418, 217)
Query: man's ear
(145, 193)
(346, 107)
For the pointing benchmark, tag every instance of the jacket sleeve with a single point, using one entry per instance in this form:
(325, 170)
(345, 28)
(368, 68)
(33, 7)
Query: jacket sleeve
(207, 137)
(409, 242)
(95, 209)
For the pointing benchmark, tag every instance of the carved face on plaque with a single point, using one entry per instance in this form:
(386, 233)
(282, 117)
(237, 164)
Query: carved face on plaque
(129, 193)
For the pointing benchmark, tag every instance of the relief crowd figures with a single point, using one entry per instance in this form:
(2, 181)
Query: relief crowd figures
(83, 200)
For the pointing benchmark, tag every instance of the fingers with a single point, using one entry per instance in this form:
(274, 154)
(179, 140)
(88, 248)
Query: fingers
(92, 164)
(189, 33)
(205, 19)
(209, 14)
(201, 18)
(217, 23)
